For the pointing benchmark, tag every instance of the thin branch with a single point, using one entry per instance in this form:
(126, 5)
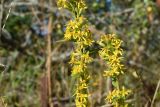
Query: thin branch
(49, 60)
(47, 6)
(155, 94)
(1, 16)
(9, 11)
(123, 12)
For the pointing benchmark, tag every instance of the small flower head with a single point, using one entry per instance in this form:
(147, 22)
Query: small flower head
(111, 53)
(81, 95)
(75, 6)
(78, 31)
(118, 96)
(62, 3)
(79, 62)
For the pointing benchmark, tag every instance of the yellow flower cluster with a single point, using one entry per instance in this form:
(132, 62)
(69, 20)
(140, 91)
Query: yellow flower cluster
(81, 94)
(117, 97)
(78, 31)
(79, 62)
(66, 3)
(112, 53)
(75, 6)
(62, 3)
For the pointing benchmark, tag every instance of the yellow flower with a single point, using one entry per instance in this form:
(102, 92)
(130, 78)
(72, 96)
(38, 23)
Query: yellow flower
(86, 58)
(79, 62)
(81, 4)
(118, 96)
(78, 68)
(81, 95)
(111, 53)
(62, 3)
(78, 30)
(149, 9)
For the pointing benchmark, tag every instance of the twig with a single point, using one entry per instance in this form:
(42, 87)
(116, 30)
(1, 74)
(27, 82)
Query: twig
(8, 14)
(49, 7)
(49, 60)
(123, 12)
(107, 105)
(1, 15)
(3, 103)
(155, 94)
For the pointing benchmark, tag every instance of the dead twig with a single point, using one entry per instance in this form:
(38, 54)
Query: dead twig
(48, 63)
(155, 94)
(9, 11)
(1, 15)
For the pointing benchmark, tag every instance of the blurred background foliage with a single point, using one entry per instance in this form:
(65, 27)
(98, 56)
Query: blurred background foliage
(23, 51)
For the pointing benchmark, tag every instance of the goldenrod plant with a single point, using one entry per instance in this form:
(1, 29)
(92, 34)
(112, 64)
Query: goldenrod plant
(78, 31)
(111, 52)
